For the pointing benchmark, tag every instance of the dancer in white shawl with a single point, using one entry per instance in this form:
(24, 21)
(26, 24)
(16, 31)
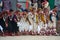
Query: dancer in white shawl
(53, 15)
(40, 23)
(23, 23)
(30, 17)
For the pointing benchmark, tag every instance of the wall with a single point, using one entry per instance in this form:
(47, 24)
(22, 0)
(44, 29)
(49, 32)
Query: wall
(51, 3)
(13, 2)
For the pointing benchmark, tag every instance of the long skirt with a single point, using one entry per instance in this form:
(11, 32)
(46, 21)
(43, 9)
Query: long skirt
(23, 25)
(1, 28)
(14, 27)
(54, 21)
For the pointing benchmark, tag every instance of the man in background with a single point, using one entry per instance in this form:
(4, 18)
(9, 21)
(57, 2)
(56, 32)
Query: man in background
(6, 5)
(1, 5)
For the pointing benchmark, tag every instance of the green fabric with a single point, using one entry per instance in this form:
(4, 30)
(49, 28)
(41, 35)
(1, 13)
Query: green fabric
(20, 10)
(51, 3)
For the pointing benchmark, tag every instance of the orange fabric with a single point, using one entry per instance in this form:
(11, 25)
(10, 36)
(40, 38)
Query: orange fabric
(27, 3)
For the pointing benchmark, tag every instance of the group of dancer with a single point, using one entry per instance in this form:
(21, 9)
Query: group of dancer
(31, 21)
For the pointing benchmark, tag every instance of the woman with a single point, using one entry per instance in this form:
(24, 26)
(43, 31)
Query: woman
(23, 23)
(46, 11)
(7, 5)
(53, 15)
(53, 18)
(14, 24)
(5, 18)
(2, 24)
(45, 4)
(35, 20)
(10, 23)
(20, 21)
(30, 17)
(40, 23)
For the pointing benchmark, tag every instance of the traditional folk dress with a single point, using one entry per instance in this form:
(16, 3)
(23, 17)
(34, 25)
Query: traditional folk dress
(19, 24)
(35, 22)
(2, 24)
(53, 18)
(49, 23)
(40, 26)
(14, 24)
(43, 22)
(5, 19)
(46, 5)
(39, 23)
(10, 27)
(30, 17)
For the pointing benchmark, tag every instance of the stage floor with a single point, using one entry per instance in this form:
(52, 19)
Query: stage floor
(30, 38)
